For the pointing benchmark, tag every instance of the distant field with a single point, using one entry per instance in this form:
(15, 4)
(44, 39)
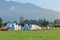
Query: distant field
(30, 35)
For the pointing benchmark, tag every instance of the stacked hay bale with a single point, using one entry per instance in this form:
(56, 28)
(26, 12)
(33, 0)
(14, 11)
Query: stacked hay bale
(35, 27)
(26, 27)
(12, 26)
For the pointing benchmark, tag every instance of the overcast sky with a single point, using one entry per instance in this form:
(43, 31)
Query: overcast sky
(49, 4)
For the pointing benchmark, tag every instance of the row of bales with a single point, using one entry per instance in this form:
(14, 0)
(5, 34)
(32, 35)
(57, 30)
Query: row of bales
(14, 26)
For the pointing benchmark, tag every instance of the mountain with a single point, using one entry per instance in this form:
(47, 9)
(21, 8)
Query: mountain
(12, 11)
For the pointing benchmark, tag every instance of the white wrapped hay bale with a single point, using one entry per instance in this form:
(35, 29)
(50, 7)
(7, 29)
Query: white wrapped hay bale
(35, 27)
(19, 28)
(16, 27)
(48, 28)
(40, 28)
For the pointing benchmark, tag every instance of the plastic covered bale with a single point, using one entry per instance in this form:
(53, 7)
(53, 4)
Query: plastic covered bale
(26, 27)
(12, 27)
(7, 26)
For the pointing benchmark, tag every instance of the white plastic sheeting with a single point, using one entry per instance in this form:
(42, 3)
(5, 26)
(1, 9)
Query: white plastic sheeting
(19, 28)
(14, 26)
(35, 27)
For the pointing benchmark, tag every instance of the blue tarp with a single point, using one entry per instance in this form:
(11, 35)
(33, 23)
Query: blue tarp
(26, 27)
(7, 26)
(12, 27)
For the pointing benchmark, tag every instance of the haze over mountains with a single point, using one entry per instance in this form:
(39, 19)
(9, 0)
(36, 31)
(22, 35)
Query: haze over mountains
(12, 11)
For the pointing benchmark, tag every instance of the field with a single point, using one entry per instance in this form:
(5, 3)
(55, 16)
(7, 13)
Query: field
(30, 35)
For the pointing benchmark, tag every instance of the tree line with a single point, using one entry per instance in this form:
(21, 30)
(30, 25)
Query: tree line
(39, 22)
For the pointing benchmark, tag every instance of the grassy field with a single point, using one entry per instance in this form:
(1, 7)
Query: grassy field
(30, 35)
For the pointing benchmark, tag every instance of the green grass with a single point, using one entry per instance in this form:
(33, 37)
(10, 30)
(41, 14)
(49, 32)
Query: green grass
(30, 35)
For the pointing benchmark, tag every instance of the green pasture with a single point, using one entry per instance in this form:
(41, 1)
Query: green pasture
(30, 35)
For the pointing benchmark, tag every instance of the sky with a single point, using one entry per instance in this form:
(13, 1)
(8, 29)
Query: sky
(48, 4)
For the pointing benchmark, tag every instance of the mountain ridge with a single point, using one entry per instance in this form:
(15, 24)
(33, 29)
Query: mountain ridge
(10, 10)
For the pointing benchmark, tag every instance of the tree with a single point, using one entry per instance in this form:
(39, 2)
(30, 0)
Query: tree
(45, 23)
(30, 21)
(39, 22)
(26, 21)
(33, 21)
(22, 21)
(1, 22)
(57, 23)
